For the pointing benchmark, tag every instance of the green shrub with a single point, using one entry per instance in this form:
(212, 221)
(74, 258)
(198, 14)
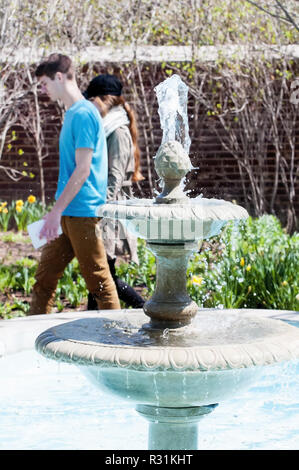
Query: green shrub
(16, 308)
(142, 274)
(71, 286)
(18, 276)
(251, 265)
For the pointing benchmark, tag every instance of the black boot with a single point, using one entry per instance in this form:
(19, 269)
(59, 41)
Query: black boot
(92, 303)
(128, 295)
(125, 292)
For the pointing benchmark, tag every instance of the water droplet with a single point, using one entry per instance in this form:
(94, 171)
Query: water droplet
(165, 333)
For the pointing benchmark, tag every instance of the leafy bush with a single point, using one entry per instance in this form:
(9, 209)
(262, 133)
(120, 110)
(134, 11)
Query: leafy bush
(18, 276)
(16, 308)
(142, 274)
(251, 265)
(71, 286)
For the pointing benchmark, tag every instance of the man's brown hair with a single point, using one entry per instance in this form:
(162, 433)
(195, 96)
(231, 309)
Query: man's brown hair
(53, 64)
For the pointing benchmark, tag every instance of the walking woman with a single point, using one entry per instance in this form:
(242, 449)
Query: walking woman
(105, 91)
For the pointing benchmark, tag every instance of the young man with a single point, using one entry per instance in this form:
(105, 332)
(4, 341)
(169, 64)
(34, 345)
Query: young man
(81, 188)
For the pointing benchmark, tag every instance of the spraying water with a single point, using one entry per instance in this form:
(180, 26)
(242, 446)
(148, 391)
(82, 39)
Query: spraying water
(172, 96)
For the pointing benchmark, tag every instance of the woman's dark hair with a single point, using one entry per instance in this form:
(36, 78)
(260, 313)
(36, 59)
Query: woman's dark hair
(105, 103)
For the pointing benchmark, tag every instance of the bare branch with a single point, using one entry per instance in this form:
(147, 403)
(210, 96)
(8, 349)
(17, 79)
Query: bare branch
(287, 18)
(287, 14)
(12, 173)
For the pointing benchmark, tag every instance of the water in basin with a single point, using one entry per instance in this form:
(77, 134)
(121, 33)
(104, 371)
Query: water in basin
(49, 405)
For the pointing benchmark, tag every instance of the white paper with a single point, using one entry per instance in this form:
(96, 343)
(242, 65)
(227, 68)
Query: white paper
(34, 231)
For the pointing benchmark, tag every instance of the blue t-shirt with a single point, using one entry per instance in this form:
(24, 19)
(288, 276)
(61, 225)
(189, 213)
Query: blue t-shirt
(82, 127)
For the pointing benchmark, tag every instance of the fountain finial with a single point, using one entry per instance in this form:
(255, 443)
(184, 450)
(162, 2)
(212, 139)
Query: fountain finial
(172, 163)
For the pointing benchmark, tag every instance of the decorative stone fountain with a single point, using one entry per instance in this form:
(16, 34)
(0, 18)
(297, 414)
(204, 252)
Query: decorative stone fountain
(173, 360)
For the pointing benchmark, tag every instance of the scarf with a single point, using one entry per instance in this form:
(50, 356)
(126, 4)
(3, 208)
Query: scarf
(115, 118)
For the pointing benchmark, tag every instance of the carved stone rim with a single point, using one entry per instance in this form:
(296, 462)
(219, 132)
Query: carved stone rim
(277, 348)
(202, 210)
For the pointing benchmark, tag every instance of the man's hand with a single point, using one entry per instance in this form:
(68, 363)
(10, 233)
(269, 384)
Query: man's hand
(81, 172)
(51, 225)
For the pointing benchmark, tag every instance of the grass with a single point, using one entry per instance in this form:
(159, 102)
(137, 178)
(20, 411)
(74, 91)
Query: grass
(15, 237)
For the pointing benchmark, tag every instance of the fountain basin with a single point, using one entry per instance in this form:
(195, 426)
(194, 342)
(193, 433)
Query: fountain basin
(195, 219)
(265, 416)
(190, 366)
(171, 389)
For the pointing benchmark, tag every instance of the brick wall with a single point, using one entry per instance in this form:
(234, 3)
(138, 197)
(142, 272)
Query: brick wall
(216, 175)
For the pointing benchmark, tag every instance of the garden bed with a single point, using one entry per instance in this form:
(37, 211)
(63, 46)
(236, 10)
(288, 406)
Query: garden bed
(20, 258)
(252, 265)
(16, 247)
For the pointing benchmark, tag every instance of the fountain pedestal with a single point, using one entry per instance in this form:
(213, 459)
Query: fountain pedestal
(173, 428)
(170, 306)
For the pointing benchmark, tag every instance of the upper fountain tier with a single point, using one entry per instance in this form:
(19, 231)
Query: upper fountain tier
(172, 217)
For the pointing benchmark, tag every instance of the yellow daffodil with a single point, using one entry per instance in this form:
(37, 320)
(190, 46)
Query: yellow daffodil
(3, 204)
(19, 208)
(19, 202)
(242, 262)
(284, 283)
(20, 152)
(0, 209)
(31, 199)
(197, 280)
(248, 268)
(5, 211)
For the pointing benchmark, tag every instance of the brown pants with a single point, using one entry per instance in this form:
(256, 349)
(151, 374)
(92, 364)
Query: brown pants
(82, 240)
